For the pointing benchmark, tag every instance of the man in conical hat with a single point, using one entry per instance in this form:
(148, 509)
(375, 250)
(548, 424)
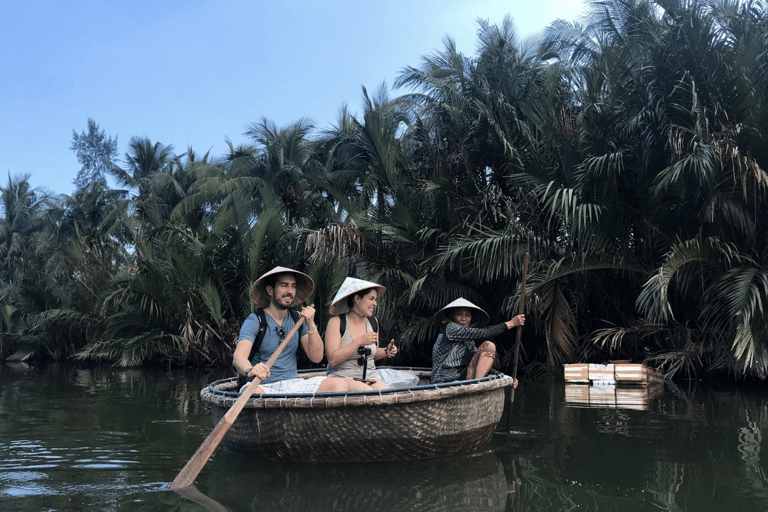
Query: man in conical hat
(455, 355)
(275, 293)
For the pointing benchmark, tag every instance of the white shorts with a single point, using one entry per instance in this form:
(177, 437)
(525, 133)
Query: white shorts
(291, 386)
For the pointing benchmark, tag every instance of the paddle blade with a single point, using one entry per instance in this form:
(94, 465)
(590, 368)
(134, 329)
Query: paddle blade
(187, 475)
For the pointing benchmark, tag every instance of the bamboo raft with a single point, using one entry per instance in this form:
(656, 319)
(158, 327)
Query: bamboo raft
(415, 422)
(612, 373)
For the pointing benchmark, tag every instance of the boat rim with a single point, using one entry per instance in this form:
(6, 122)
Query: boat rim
(491, 377)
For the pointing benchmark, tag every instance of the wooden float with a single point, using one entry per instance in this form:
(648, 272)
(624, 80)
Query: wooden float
(618, 373)
(421, 421)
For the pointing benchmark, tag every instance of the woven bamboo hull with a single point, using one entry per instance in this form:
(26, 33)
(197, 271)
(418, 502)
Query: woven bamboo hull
(407, 423)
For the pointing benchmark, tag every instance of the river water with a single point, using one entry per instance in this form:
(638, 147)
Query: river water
(77, 438)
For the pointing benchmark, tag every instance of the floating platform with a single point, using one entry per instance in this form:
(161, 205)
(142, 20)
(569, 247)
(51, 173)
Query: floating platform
(612, 373)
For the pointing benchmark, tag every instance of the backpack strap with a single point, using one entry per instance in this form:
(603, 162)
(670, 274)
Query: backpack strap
(263, 328)
(259, 334)
(343, 323)
(260, 337)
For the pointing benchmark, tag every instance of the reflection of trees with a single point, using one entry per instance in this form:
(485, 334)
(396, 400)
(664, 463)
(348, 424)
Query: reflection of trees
(694, 449)
(750, 446)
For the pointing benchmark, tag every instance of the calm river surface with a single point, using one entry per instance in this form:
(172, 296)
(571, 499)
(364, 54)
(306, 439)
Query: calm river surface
(75, 438)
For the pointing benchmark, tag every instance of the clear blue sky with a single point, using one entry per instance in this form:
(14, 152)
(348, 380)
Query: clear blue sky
(193, 73)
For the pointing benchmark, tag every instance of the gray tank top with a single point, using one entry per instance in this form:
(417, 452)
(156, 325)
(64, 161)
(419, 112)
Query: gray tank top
(350, 368)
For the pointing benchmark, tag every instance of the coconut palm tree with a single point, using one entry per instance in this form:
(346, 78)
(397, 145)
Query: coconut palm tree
(665, 118)
(23, 209)
(143, 159)
(28, 286)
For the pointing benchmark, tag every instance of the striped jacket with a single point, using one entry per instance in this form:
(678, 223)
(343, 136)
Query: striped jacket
(454, 348)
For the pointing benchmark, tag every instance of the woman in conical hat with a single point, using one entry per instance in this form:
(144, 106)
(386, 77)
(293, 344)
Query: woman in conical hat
(479, 315)
(455, 355)
(355, 301)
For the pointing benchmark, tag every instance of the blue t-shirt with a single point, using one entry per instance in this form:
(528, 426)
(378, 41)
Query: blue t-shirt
(285, 365)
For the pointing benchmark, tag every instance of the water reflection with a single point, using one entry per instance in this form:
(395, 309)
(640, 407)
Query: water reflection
(75, 438)
(193, 494)
(474, 482)
(692, 449)
(611, 396)
(79, 438)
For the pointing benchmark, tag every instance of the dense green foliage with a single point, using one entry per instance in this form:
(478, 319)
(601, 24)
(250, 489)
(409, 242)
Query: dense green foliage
(626, 155)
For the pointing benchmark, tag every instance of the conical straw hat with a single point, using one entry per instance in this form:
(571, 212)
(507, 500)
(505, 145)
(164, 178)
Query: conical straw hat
(350, 286)
(304, 287)
(479, 317)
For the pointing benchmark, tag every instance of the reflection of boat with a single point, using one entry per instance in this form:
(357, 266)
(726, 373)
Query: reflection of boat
(461, 482)
(402, 423)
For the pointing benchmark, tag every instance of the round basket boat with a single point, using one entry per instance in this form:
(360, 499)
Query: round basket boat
(413, 422)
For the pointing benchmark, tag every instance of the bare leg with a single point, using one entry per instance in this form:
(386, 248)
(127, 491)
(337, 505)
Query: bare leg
(333, 385)
(379, 384)
(482, 362)
(356, 385)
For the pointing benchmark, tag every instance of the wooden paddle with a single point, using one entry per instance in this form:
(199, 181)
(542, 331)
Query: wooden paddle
(519, 333)
(187, 475)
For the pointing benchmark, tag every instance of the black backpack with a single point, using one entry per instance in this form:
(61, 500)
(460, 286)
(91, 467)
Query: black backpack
(241, 379)
(343, 323)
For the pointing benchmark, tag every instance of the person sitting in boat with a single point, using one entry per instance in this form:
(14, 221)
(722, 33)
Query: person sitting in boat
(462, 325)
(274, 293)
(352, 334)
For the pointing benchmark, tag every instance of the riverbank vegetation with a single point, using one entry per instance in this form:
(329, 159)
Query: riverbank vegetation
(626, 154)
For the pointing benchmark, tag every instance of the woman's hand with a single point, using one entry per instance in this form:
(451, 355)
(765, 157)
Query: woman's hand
(516, 322)
(391, 350)
(369, 338)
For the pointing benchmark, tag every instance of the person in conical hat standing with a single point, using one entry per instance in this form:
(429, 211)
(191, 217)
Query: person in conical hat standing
(356, 301)
(275, 293)
(455, 355)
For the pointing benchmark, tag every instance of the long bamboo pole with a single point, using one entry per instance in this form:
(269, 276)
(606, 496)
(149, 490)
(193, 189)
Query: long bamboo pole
(519, 333)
